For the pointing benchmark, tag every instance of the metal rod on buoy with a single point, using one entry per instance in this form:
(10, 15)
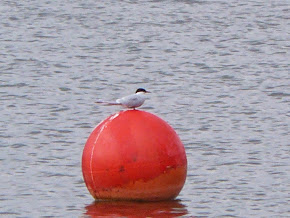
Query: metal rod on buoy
(134, 155)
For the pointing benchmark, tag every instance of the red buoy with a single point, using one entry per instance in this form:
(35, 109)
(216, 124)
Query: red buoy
(134, 155)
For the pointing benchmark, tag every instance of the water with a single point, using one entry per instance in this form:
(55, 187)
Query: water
(219, 73)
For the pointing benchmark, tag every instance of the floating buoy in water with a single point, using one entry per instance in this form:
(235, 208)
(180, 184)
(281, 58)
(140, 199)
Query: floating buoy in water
(134, 155)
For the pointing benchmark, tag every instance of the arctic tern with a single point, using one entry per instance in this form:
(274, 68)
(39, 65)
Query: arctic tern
(130, 101)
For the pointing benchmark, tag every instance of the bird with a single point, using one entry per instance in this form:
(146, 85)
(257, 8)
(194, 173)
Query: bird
(130, 101)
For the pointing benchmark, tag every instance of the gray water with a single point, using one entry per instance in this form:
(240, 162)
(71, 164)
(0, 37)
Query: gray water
(219, 75)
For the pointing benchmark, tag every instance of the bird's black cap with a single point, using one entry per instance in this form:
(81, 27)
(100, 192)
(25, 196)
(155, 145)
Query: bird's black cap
(140, 90)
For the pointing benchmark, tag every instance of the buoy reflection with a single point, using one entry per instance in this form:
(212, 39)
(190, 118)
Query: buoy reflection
(136, 209)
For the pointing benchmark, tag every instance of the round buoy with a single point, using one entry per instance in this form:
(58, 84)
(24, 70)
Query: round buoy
(134, 155)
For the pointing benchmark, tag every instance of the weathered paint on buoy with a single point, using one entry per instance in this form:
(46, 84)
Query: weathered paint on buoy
(134, 155)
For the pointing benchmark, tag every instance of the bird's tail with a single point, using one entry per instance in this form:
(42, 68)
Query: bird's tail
(106, 103)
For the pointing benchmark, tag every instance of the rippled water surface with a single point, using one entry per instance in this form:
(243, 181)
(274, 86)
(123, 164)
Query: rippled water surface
(218, 72)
